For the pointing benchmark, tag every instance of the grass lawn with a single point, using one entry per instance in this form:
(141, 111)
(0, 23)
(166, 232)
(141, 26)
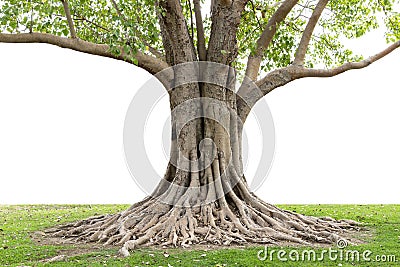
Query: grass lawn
(18, 222)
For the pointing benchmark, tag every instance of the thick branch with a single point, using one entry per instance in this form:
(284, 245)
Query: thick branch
(254, 60)
(149, 63)
(305, 39)
(303, 72)
(225, 20)
(250, 93)
(69, 18)
(167, 44)
(177, 35)
(201, 41)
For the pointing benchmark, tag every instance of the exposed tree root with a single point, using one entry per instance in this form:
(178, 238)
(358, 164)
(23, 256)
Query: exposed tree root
(236, 217)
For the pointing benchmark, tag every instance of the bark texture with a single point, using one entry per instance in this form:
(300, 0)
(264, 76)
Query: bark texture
(203, 197)
(204, 201)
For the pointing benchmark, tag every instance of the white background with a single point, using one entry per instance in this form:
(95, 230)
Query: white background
(62, 115)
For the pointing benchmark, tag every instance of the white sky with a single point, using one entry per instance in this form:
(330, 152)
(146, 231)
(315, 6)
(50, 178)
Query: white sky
(62, 114)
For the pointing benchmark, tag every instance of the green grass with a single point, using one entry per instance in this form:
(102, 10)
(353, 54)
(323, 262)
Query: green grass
(18, 222)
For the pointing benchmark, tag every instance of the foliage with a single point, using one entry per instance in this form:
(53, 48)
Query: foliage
(95, 21)
(341, 20)
(134, 26)
(17, 223)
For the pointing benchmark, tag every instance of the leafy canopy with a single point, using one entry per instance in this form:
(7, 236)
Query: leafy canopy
(134, 26)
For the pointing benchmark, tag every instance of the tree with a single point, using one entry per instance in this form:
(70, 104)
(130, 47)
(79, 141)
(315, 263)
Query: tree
(204, 196)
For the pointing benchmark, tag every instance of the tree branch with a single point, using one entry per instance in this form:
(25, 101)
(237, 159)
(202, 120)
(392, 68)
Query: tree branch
(154, 51)
(189, 4)
(117, 10)
(249, 93)
(225, 21)
(253, 7)
(69, 18)
(169, 53)
(201, 41)
(149, 63)
(174, 23)
(80, 18)
(254, 60)
(303, 72)
(305, 39)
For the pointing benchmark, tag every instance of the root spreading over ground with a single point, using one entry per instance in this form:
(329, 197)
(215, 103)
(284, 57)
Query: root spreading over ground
(236, 216)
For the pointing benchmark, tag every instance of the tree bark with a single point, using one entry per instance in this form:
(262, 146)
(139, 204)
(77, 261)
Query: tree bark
(203, 197)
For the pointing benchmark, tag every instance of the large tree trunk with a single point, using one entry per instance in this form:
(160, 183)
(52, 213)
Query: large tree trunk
(204, 197)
